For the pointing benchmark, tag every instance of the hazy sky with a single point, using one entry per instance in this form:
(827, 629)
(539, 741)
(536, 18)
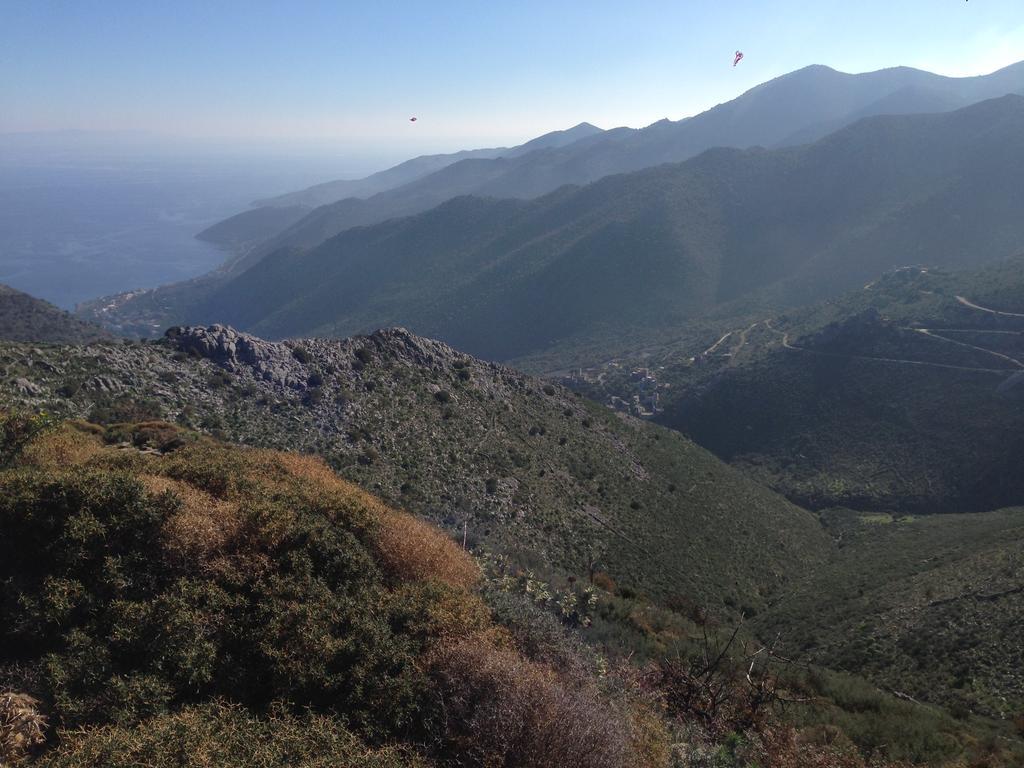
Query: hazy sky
(474, 73)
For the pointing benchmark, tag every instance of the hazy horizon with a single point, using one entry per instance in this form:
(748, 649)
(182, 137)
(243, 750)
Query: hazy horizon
(328, 77)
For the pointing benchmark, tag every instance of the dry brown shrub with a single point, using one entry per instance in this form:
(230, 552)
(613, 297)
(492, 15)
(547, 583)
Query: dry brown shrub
(410, 549)
(310, 469)
(602, 580)
(452, 613)
(60, 449)
(22, 727)
(495, 708)
(202, 528)
(649, 737)
(414, 550)
(86, 427)
(269, 474)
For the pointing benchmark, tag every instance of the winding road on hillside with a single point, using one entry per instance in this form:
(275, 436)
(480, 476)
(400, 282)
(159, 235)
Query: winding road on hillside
(972, 305)
(932, 334)
(786, 344)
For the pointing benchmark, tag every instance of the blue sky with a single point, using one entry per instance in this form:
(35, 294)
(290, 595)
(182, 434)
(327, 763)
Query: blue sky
(474, 73)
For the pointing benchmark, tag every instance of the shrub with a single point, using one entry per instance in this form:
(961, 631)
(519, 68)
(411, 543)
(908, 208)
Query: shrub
(301, 354)
(602, 580)
(16, 431)
(22, 727)
(540, 635)
(495, 708)
(222, 734)
(416, 551)
(125, 409)
(443, 396)
(69, 388)
(135, 582)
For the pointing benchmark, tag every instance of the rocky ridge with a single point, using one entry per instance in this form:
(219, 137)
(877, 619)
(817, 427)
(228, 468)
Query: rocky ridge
(514, 463)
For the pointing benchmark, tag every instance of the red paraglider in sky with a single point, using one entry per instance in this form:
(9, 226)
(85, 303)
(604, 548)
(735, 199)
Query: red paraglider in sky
(737, 58)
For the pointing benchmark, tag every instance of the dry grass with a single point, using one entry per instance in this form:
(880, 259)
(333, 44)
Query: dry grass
(416, 551)
(60, 449)
(202, 529)
(22, 727)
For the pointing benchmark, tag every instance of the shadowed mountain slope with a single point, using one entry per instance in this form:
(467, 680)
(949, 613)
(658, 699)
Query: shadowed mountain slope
(26, 318)
(650, 250)
(248, 230)
(903, 396)
(796, 108)
(410, 170)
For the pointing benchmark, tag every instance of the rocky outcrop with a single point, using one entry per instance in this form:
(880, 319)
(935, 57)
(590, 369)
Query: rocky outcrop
(286, 363)
(234, 351)
(26, 387)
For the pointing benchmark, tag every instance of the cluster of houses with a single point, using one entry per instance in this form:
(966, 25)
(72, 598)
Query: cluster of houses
(644, 400)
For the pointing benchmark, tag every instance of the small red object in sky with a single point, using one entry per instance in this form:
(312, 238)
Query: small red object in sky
(738, 58)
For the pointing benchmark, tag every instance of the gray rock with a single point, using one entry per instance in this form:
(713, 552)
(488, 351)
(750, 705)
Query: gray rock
(26, 387)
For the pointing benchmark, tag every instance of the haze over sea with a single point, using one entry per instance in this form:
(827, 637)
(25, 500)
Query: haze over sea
(86, 215)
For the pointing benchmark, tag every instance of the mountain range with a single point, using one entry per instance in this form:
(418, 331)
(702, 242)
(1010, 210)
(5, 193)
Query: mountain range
(418, 167)
(796, 108)
(793, 109)
(764, 508)
(645, 251)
